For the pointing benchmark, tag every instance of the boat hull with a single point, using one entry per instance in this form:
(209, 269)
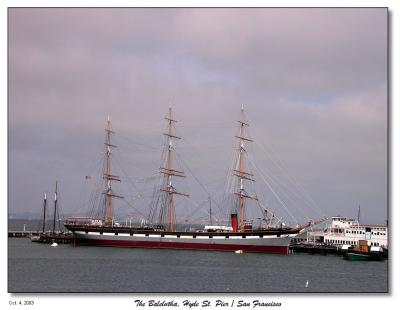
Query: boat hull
(362, 257)
(254, 243)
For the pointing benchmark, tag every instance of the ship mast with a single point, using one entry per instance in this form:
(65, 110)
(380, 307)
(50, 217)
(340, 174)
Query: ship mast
(209, 204)
(55, 209)
(108, 177)
(241, 173)
(169, 172)
(44, 211)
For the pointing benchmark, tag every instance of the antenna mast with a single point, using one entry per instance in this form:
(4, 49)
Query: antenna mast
(240, 173)
(107, 176)
(169, 172)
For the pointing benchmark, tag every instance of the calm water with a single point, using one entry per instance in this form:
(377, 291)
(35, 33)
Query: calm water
(36, 267)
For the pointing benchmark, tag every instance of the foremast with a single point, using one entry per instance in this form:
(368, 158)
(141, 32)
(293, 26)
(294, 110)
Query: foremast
(240, 172)
(108, 177)
(169, 172)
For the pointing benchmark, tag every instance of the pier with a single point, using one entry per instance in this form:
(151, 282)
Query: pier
(324, 249)
(22, 233)
(321, 249)
(43, 237)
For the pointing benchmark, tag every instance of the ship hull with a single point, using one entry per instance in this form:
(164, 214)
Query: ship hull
(248, 243)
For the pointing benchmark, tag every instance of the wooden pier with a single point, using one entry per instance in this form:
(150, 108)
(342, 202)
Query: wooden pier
(43, 237)
(320, 249)
(22, 234)
(323, 249)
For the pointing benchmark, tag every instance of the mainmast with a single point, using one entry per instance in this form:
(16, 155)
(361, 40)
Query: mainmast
(240, 172)
(107, 176)
(169, 172)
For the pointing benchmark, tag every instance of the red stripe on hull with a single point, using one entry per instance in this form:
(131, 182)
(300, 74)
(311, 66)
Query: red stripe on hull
(184, 246)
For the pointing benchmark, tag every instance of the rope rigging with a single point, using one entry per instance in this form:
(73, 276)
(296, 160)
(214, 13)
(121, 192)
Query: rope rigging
(275, 192)
(301, 192)
(239, 183)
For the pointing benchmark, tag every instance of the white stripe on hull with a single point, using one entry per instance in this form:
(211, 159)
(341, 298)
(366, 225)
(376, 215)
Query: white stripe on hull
(265, 240)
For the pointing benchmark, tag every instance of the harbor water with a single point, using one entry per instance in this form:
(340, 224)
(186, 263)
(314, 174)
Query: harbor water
(34, 267)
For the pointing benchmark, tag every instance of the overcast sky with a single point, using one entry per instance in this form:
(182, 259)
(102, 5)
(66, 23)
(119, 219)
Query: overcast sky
(313, 83)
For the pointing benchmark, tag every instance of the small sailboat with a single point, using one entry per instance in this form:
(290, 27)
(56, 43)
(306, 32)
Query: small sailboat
(49, 237)
(39, 236)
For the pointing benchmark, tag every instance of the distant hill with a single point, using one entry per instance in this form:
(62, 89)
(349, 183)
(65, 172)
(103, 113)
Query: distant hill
(24, 215)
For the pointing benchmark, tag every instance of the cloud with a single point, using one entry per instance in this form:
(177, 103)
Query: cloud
(313, 82)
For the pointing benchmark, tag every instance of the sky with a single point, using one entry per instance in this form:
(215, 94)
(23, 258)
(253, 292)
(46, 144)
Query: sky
(313, 83)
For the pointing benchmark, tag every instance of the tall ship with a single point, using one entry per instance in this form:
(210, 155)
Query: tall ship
(239, 234)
